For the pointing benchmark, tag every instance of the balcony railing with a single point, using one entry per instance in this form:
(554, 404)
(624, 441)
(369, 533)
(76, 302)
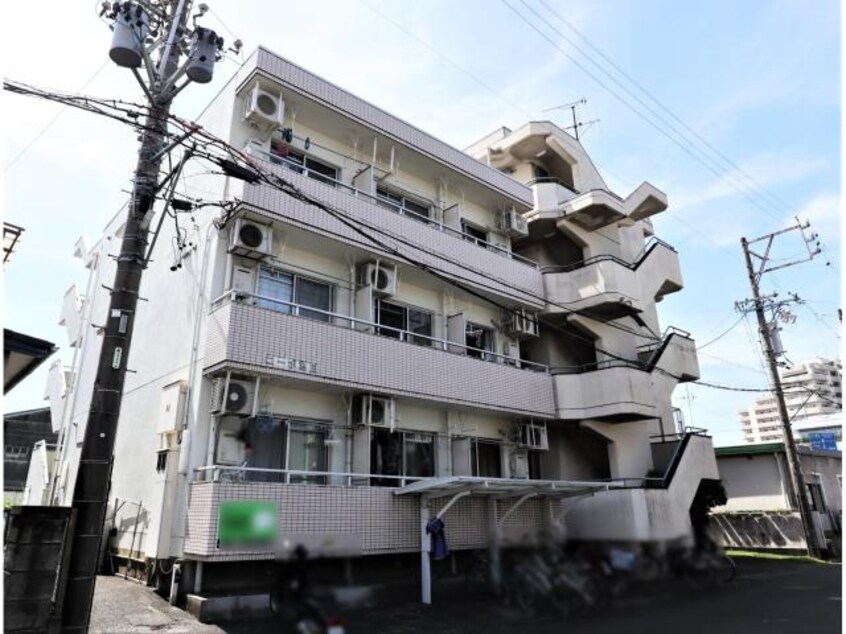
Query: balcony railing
(238, 474)
(356, 323)
(651, 244)
(383, 202)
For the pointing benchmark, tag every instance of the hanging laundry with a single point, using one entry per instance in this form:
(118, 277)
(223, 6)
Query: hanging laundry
(439, 548)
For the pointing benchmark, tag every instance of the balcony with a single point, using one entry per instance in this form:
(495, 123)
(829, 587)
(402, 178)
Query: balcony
(335, 349)
(610, 391)
(487, 266)
(604, 287)
(675, 354)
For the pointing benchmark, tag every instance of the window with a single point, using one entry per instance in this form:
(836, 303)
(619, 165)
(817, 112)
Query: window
(540, 171)
(401, 454)
(486, 459)
(403, 322)
(399, 202)
(287, 288)
(473, 233)
(15, 452)
(307, 450)
(816, 498)
(277, 443)
(282, 154)
(478, 340)
(535, 465)
(161, 461)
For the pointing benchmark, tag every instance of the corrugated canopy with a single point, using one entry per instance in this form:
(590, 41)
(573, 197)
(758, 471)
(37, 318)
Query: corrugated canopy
(502, 487)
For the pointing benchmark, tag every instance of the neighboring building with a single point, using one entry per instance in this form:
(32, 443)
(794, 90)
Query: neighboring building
(21, 355)
(297, 368)
(812, 388)
(810, 430)
(760, 512)
(21, 432)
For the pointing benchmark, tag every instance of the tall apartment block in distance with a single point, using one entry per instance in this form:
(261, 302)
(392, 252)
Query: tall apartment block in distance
(472, 334)
(812, 388)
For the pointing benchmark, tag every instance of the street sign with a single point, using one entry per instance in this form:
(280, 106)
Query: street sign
(825, 441)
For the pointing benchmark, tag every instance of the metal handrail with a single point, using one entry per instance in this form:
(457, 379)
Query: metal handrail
(352, 475)
(607, 257)
(302, 169)
(287, 473)
(665, 336)
(442, 344)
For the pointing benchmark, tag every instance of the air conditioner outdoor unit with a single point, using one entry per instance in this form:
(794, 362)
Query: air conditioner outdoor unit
(239, 397)
(375, 411)
(264, 108)
(514, 224)
(521, 323)
(381, 277)
(251, 238)
(533, 436)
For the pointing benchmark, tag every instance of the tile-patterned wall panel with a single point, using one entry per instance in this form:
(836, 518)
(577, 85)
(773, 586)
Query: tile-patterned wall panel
(328, 94)
(485, 269)
(255, 336)
(384, 522)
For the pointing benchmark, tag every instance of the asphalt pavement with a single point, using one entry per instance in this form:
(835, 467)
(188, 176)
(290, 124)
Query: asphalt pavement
(767, 597)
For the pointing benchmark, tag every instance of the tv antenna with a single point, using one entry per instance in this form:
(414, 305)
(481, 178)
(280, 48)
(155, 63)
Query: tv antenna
(576, 123)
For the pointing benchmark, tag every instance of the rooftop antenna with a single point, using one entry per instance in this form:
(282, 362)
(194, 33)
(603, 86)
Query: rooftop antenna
(576, 123)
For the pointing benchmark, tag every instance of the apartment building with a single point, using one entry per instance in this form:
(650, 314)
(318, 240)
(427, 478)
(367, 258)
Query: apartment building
(812, 388)
(420, 331)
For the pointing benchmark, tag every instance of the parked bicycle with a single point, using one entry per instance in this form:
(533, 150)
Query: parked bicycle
(701, 567)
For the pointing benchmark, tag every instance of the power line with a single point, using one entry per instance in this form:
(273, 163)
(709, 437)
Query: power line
(277, 182)
(683, 144)
(53, 120)
(721, 335)
(763, 191)
(449, 61)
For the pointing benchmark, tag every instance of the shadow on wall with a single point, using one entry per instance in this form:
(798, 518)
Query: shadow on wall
(759, 530)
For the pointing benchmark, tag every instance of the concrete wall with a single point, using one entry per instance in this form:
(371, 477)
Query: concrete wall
(754, 483)
(647, 514)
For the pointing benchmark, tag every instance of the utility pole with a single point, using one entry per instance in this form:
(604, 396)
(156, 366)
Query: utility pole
(768, 332)
(138, 29)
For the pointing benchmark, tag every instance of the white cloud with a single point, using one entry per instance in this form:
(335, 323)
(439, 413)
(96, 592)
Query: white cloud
(824, 212)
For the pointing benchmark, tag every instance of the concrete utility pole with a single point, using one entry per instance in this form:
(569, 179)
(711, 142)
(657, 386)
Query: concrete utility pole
(767, 331)
(139, 27)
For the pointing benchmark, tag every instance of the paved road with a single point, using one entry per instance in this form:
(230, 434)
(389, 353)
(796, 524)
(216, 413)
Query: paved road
(127, 606)
(768, 597)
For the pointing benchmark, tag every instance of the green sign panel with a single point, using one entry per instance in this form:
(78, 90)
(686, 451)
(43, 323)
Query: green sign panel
(244, 523)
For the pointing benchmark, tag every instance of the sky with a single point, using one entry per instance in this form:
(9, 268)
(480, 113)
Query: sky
(733, 111)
